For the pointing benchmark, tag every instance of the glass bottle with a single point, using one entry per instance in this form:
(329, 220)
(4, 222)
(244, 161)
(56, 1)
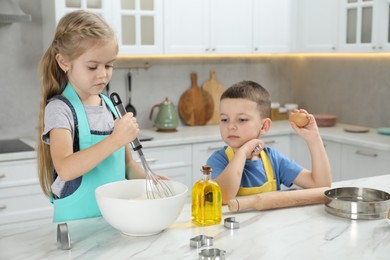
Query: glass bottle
(206, 200)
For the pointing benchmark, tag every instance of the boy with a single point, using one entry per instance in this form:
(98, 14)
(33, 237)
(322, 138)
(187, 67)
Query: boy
(245, 166)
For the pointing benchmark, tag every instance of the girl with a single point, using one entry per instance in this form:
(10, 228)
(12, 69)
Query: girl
(78, 150)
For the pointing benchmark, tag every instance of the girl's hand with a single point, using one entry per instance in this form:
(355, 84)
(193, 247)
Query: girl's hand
(125, 129)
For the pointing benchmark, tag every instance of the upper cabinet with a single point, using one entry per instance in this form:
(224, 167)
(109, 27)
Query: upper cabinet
(52, 12)
(137, 23)
(317, 25)
(207, 26)
(227, 26)
(273, 26)
(146, 27)
(364, 26)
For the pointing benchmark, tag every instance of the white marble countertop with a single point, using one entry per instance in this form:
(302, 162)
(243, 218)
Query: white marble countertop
(210, 133)
(292, 233)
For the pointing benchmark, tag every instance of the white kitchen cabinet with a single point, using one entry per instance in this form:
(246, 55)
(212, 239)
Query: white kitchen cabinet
(53, 11)
(21, 198)
(364, 26)
(317, 27)
(200, 153)
(281, 143)
(359, 162)
(139, 26)
(273, 26)
(207, 26)
(301, 154)
(137, 23)
(333, 149)
(171, 161)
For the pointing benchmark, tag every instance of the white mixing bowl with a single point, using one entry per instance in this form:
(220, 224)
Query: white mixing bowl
(124, 206)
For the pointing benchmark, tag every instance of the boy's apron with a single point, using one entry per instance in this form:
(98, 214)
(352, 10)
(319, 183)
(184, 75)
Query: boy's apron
(270, 185)
(82, 203)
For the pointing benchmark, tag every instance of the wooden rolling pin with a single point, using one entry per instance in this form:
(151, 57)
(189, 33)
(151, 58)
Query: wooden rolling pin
(278, 199)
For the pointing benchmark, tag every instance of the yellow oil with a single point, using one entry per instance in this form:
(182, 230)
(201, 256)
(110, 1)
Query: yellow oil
(206, 201)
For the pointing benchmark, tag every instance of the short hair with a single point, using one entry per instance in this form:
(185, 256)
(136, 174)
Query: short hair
(252, 91)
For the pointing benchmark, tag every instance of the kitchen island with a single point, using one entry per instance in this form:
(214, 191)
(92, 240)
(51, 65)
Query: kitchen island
(292, 233)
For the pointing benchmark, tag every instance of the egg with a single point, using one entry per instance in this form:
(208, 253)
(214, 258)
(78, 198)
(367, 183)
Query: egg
(299, 118)
(388, 217)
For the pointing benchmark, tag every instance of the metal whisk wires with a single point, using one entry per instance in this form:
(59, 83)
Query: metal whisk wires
(155, 186)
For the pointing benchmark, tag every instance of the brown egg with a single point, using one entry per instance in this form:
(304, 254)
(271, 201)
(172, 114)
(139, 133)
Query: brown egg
(299, 118)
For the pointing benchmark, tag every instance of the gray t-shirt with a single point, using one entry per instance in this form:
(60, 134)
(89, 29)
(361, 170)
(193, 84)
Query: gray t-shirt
(59, 115)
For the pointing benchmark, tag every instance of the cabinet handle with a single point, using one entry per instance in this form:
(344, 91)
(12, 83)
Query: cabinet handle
(3, 206)
(373, 155)
(207, 49)
(213, 148)
(270, 142)
(2, 176)
(213, 49)
(151, 160)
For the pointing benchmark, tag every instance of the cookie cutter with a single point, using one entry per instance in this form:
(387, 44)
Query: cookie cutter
(231, 223)
(201, 240)
(212, 253)
(63, 237)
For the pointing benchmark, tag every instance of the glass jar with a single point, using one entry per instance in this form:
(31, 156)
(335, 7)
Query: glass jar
(206, 200)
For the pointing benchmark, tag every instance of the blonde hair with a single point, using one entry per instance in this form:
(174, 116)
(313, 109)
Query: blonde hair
(76, 32)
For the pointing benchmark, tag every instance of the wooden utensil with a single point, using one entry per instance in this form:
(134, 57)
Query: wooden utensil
(278, 199)
(215, 89)
(195, 105)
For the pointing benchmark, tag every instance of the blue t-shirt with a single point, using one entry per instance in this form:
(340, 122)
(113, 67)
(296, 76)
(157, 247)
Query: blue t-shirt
(285, 169)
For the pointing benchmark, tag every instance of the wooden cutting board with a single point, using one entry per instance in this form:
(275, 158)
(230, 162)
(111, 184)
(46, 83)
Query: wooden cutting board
(195, 105)
(215, 89)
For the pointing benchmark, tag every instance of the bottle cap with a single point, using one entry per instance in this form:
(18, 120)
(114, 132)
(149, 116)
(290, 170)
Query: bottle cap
(206, 168)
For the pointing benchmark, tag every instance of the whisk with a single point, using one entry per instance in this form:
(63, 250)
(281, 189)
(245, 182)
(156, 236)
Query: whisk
(156, 187)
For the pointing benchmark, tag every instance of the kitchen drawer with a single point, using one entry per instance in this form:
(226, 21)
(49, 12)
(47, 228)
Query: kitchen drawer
(281, 143)
(18, 172)
(179, 174)
(200, 153)
(166, 157)
(359, 162)
(24, 203)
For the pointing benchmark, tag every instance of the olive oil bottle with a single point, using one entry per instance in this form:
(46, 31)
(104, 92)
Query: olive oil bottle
(206, 200)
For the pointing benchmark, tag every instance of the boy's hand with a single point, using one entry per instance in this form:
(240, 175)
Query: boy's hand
(252, 148)
(309, 132)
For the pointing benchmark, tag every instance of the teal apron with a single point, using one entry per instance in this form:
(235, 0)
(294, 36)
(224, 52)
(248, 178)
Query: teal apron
(82, 203)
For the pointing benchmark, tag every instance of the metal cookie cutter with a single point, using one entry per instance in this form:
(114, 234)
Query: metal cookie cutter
(63, 238)
(231, 223)
(201, 240)
(212, 253)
